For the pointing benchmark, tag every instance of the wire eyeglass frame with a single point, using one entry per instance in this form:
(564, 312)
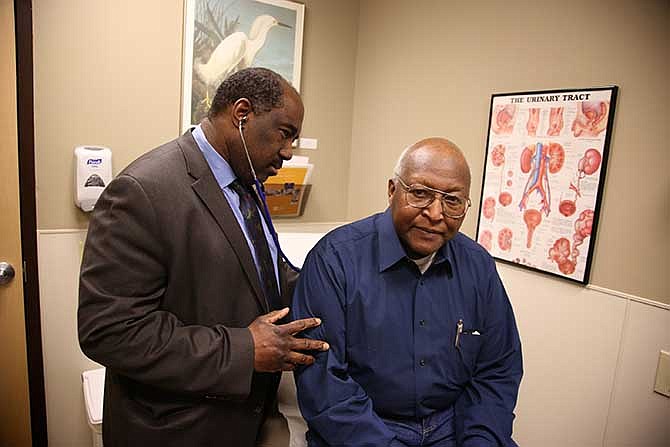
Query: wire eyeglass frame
(412, 199)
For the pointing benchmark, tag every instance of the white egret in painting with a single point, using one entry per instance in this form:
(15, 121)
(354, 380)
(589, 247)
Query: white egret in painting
(235, 52)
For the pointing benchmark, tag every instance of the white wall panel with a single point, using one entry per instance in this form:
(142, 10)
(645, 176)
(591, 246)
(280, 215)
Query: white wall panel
(573, 339)
(638, 416)
(59, 260)
(570, 341)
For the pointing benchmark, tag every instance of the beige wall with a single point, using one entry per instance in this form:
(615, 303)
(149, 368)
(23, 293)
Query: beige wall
(374, 79)
(109, 74)
(328, 69)
(429, 68)
(106, 73)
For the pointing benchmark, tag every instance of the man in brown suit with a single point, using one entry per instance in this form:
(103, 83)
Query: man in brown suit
(173, 297)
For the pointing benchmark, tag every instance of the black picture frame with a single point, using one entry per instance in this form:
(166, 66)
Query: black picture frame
(544, 174)
(223, 36)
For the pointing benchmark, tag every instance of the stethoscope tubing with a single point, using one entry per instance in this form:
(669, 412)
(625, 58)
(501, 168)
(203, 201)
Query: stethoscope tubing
(262, 199)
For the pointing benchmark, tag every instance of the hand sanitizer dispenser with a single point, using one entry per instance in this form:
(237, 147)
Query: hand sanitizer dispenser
(92, 172)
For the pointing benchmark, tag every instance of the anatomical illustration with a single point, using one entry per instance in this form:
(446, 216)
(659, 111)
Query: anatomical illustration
(556, 157)
(498, 155)
(504, 198)
(504, 118)
(498, 161)
(540, 160)
(489, 208)
(532, 218)
(533, 121)
(561, 253)
(485, 239)
(591, 118)
(505, 239)
(555, 121)
(546, 157)
(587, 165)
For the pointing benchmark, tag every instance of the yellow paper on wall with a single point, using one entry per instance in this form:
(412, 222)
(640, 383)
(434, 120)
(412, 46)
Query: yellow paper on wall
(290, 174)
(287, 192)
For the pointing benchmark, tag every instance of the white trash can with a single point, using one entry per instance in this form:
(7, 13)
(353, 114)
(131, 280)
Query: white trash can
(93, 382)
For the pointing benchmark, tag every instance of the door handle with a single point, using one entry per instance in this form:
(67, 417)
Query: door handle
(6, 273)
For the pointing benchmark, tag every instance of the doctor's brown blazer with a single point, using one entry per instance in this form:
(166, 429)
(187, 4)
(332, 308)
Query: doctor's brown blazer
(167, 288)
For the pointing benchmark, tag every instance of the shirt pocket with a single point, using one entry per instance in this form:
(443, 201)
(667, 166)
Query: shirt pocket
(469, 344)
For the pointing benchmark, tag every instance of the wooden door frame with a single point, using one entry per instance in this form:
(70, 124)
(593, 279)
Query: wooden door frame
(23, 28)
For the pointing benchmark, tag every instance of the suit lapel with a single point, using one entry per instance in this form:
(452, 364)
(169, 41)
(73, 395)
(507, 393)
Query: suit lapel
(206, 187)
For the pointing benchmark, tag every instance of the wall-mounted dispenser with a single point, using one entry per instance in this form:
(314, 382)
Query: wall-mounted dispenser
(92, 172)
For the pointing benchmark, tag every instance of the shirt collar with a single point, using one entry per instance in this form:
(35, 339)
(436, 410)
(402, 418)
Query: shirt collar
(222, 171)
(390, 248)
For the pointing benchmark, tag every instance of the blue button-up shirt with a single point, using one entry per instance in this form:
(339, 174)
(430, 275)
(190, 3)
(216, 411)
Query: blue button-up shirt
(392, 334)
(224, 176)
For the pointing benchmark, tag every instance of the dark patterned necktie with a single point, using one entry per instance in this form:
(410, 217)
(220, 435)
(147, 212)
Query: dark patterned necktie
(252, 220)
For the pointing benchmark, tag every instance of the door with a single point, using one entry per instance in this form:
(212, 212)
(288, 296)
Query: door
(15, 403)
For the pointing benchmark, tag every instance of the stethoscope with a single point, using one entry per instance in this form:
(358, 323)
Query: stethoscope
(258, 188)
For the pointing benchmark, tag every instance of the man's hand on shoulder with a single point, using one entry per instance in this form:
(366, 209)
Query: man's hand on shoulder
(276, 348)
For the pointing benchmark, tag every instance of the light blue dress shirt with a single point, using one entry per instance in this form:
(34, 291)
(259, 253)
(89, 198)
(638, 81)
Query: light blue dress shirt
(224, 176)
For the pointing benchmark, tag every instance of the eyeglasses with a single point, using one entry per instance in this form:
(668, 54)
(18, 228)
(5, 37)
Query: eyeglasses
(420, 196)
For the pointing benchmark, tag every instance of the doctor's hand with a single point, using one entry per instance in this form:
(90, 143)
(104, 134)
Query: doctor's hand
(276, 348)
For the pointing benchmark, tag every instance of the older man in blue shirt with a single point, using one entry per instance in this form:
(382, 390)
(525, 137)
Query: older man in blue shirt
(424, 345)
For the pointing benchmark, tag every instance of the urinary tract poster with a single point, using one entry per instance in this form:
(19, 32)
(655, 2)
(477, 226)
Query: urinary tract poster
(546, 156)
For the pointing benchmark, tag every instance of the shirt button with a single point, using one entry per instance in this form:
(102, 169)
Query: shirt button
(422, 322)
(422, 362)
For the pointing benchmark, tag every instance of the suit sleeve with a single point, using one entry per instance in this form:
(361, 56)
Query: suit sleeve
(124, 276)
(337, 410)
(484, 411)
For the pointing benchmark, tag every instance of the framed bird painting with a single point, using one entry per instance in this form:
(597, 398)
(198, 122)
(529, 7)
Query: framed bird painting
(224, 36)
